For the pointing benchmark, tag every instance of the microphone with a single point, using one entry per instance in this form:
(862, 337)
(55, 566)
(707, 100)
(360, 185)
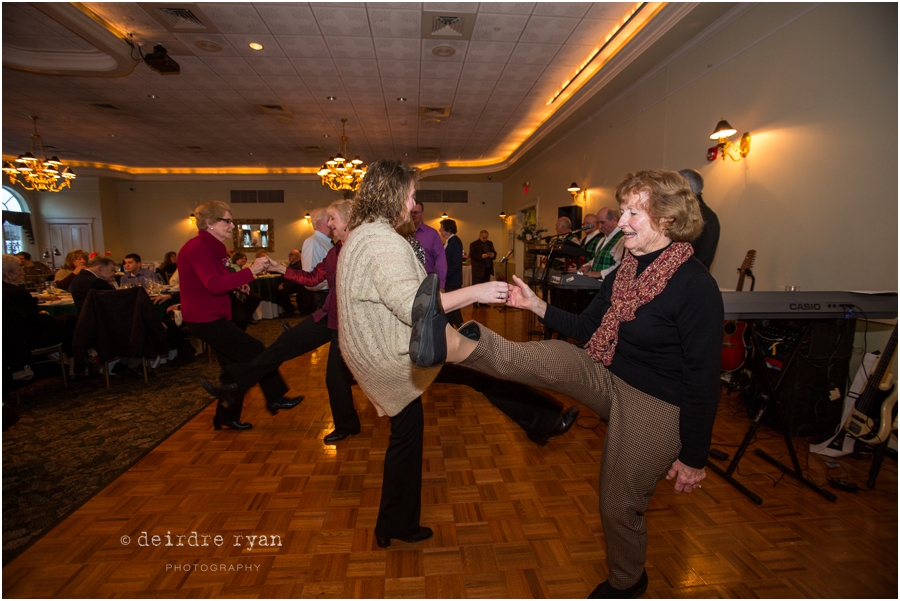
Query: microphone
(583, 229)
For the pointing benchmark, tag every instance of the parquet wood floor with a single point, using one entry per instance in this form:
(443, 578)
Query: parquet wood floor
(511, 519)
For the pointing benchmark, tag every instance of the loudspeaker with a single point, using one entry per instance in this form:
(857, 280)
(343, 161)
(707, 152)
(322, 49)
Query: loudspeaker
(573, 212)
(820, 366)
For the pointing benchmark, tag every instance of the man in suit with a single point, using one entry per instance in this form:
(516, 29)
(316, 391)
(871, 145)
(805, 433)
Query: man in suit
(453, 248)
(481, 255)
(98, 275)
(706, 243)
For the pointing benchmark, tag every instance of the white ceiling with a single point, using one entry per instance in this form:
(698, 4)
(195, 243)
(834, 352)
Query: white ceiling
(366, 55)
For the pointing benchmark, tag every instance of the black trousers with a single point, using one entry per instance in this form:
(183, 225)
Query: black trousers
(234, 345)
(454, 318)
(401, 487)
(533, 410)
(306, 336)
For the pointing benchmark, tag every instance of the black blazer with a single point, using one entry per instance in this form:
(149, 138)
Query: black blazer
(83, 283)
(454, 252)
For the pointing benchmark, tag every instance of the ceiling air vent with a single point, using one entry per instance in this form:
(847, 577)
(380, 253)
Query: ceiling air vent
(441, 26)
(442, 196)
(439, 112)
(313, 149)
(105, 106)
(272, 109)
(257, 196)
(180, 18)
(197, 149)
(428, 150)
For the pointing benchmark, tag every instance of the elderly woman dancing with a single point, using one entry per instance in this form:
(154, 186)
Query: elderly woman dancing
(377, 278)
(651, 367)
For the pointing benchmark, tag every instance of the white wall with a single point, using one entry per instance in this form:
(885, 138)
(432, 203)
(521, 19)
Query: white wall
(816, 85)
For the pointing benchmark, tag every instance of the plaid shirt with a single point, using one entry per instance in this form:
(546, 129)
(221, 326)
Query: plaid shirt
(604, 258)
(591, 246)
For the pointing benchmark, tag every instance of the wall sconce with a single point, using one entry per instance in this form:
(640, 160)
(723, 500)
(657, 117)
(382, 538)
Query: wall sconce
(52, 256)
(725, 147)
(445, 216)
(193, 220)
(503, 215)
(308, 217)
(576, 192)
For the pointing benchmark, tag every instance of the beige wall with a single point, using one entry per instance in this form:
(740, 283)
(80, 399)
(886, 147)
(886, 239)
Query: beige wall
(816, 85)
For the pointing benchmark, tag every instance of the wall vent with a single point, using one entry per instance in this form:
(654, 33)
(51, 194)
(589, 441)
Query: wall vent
(441, 26)
(180, 18)
(441, 196)
(257, 197)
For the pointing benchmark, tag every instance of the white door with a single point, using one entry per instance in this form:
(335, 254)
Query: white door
(69, 236)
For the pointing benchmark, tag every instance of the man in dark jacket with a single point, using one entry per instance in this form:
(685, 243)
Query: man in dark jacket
(705, 244)
(98, 275)
(453, 249)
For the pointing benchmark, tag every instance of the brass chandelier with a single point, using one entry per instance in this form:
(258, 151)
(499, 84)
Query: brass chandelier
(339, 173)
(34, 171)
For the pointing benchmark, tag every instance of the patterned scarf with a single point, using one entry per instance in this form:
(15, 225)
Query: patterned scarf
(629, 293)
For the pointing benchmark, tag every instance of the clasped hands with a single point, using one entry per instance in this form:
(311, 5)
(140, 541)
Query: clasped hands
(265, 264)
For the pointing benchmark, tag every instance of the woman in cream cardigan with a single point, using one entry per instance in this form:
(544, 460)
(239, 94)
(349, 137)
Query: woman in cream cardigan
(378, 276)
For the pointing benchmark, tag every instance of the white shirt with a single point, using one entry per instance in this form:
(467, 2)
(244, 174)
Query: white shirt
(313, 252)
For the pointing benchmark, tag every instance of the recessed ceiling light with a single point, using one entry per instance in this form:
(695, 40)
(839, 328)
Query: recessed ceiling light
(111, 135)
(208, 46)
(401, 99)
(255, 45)
(332, 98)
(443, 51)
(325, 136)
(153, 96)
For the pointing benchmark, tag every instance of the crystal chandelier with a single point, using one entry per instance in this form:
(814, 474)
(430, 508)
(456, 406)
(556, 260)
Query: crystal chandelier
(38, 172)
(339, 173)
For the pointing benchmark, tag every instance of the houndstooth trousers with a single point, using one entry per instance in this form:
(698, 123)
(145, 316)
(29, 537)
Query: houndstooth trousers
(642, 436)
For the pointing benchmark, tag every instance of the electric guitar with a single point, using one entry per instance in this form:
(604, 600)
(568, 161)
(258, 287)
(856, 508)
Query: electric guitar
(734, 347)
(872, 417)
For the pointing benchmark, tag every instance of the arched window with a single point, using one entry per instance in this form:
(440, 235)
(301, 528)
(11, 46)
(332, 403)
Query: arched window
(12, 234)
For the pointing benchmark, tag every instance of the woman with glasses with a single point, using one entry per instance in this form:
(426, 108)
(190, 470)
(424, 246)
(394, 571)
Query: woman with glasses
(205, 282)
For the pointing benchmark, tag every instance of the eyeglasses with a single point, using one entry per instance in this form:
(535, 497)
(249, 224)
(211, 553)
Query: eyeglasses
(228, 221)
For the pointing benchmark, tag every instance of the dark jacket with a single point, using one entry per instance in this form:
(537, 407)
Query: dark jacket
(119, 323)
(482, 269)
(705, 244)
(83, 283)
(454, 252)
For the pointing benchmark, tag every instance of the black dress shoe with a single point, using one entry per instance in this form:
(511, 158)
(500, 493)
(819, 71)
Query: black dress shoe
(283, 403)
(428, 342)
(219, 421)
(227, 393)
(562, 425)
(605, 591)
(424, 533)
(337, 435)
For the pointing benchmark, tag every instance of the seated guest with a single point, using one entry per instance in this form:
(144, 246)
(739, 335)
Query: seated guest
(75, 261)
(289, 287)
(173, 279)
(168, 266)
(98, 275)
(24, 327)
(238, 260)
(261, 253)
(36, 273)
(135, 275)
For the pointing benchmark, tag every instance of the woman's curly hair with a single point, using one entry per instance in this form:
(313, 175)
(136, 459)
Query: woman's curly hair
(670, 202)
(382, 194)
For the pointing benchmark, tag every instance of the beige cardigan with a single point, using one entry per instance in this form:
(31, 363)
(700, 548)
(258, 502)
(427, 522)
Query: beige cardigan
(377, 278)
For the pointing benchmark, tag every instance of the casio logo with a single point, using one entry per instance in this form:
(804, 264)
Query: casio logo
(806, 307)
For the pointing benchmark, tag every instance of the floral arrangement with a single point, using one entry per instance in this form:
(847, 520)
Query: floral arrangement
(528, 231)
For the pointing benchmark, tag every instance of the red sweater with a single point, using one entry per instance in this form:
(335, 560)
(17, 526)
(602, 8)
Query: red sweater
(205, 280)
(326, 270)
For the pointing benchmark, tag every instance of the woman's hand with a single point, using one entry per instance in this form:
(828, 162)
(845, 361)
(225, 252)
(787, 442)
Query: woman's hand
(162, 298)
(276, 267)
(491, 292)
(259, 265)
(521, 296)
(686, 478)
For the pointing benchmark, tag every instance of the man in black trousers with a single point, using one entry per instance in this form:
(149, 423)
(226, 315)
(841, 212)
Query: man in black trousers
(453, 248)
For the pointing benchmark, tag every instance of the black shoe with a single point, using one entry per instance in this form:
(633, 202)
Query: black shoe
(219, 421)
(424, 533)
(562, 425)
(337, 435)
(428, 342)
(471, 331)
(227, 393)
(605, 591)
(121, 369)
(283, 403)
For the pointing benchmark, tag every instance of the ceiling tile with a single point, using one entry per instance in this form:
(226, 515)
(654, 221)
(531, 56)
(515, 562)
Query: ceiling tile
(517, 8)
(294, 19)
(229, 66)
(393, 23)
(549, 30)
(441, 70)
(471, 86)
(364, 85)
(341, 21)
(562, 9)
(609, 10)
(350, 47)
(571, 56)
(485, 71)
(308, 67)
(398, 49)
(303, 46)
(489, 52)
(399, 69)
(499, 28)
(534, 54)
(235, 18)
(272, 66)
(591, 32)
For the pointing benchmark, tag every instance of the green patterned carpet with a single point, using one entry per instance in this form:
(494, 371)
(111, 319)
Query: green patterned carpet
(70, 443)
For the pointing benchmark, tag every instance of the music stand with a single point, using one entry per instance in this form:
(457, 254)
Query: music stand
(505, 261)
